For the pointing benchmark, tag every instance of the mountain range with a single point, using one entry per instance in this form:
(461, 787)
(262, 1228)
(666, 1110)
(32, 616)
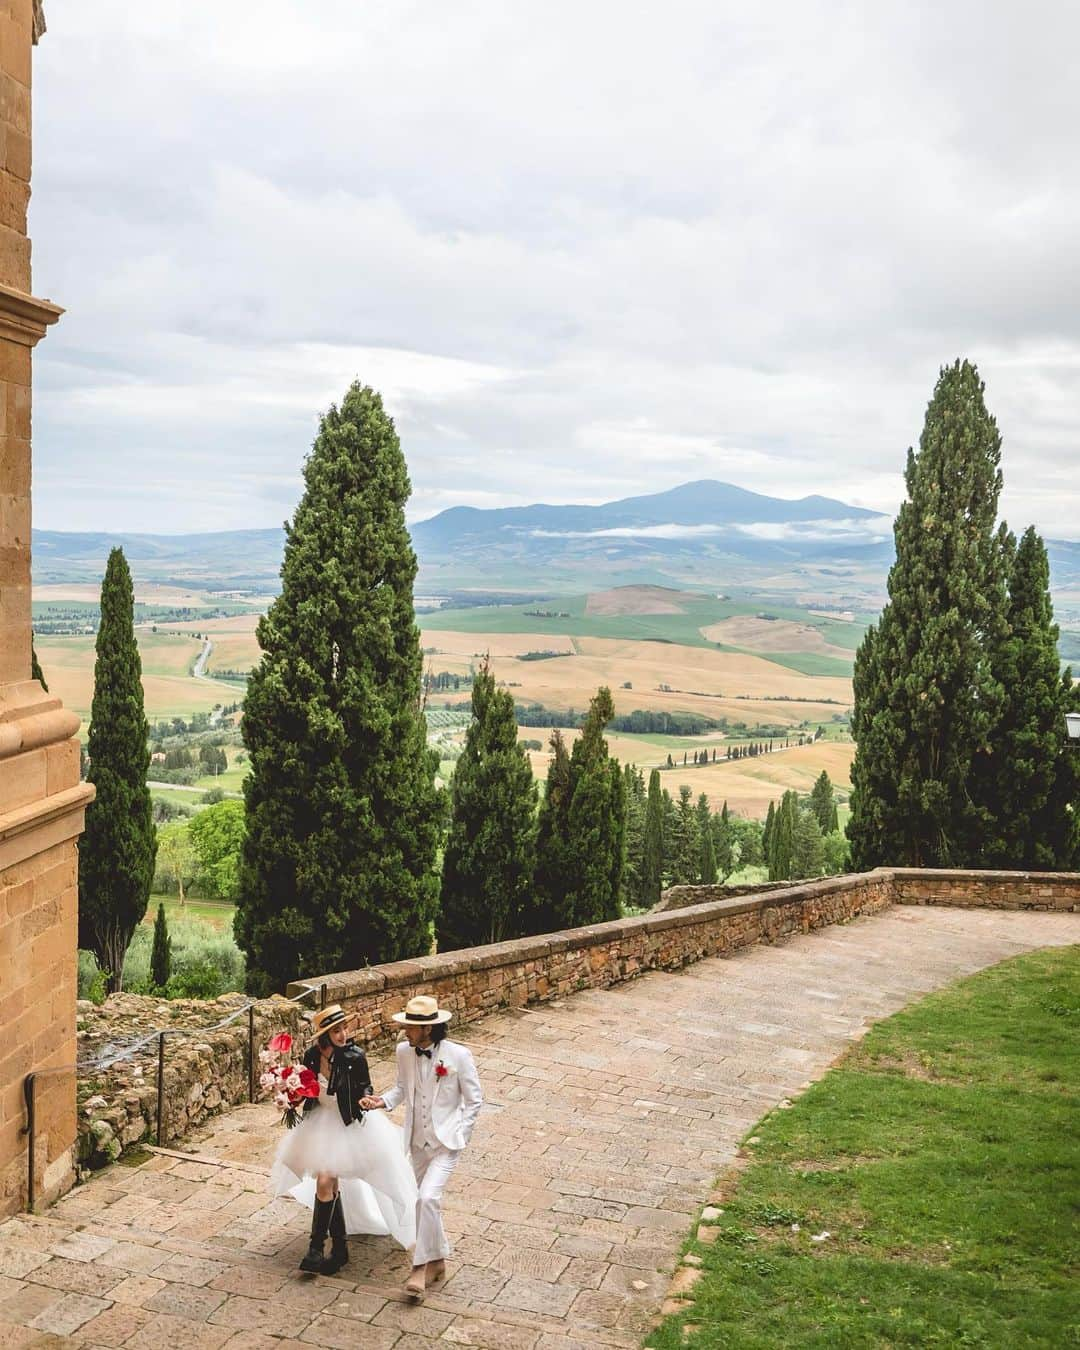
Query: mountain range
(699, 534)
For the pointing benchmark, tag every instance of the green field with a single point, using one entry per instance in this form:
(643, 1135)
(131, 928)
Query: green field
(941, 1161)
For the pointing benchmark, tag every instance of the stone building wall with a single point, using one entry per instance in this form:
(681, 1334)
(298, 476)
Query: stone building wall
(41, 798)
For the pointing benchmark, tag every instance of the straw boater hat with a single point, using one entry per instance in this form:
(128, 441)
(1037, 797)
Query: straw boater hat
(328, 1017)
(423, 1010)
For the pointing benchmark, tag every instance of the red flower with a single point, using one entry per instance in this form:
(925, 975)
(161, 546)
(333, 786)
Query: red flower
(440, 1070)
(309, 1084)
(281, 1043)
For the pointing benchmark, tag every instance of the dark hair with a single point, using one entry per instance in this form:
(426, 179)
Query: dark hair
(325, 1043)
(438, 1033)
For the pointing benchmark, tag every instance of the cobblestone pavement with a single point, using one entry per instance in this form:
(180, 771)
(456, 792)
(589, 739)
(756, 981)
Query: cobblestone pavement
(608, 1116)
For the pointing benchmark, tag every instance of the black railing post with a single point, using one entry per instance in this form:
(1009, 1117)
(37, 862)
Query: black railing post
(251, 1052)
(322, 996)
(160, 1086)
(28, 1129)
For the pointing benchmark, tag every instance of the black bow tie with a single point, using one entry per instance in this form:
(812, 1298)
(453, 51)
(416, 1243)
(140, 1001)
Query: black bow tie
(422, 1052)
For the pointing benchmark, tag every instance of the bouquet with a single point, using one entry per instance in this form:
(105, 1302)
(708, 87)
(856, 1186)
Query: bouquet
(290, 1085)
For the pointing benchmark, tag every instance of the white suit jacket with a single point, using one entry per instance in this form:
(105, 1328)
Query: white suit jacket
(457, 1099)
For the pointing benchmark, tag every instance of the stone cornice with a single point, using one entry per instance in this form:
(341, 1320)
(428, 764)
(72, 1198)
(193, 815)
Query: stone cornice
(31, 718)
(24, 318)
(54, 807)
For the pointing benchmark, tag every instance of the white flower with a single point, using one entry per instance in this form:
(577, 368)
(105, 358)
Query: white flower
(281, 1099)
(795, 1228)
(267, 1081)
(266, 1056)
(293, 1081)
(819, 1237)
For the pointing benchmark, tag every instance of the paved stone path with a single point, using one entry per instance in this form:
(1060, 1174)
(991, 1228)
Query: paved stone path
(608, 1116)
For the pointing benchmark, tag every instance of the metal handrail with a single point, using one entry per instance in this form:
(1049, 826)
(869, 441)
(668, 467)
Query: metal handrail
(29, 1083)
(129, 1051)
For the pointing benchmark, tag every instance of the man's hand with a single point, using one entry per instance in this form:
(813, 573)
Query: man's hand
(372, 1103)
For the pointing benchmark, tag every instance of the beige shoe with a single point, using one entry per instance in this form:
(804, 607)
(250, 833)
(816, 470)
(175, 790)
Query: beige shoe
(415, 1284)
(436, 1272)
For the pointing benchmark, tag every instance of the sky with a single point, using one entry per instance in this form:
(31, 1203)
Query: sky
(585, 251)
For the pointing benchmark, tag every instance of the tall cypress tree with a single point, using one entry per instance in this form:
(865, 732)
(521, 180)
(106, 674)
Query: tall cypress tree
(926, 701)
(652, 865)
(782, 841)
(161, 952)
(552, 877)
(707, 873)
(634, 799)
(491, 850)
(807, 846)
(117, 849)
(343, 815)
(766, 837)
(596, 824)
(1021, 784)
(823, 803)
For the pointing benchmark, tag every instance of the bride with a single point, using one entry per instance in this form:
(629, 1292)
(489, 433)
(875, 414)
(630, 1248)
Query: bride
(346, 1164)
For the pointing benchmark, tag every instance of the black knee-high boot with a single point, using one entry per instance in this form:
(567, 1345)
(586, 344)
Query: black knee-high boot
(339, 1247)
(320, 1224)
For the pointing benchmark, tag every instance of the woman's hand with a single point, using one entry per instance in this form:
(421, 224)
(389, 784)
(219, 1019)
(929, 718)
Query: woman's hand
(372, 1104)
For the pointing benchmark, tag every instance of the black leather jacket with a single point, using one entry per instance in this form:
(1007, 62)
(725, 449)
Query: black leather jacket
(350, 1079)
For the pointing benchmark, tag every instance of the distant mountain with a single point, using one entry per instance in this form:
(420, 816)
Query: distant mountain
(703, 534)
(222, 560)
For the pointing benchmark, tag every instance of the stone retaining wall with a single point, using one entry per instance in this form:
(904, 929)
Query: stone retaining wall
(205, 1071)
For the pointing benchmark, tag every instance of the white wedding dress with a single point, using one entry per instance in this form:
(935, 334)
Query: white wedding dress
(375, 1177)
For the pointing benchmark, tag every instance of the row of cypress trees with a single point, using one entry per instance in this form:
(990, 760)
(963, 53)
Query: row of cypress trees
(959, 698)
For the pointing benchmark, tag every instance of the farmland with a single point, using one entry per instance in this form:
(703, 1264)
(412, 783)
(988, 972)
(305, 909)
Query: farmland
(659, 650)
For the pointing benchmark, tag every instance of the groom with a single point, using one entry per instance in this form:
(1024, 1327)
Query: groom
(437, 1081)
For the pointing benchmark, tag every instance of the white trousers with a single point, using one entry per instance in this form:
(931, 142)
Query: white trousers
(433, 1167)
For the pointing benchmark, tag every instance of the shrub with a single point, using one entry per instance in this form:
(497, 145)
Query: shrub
(92, 983)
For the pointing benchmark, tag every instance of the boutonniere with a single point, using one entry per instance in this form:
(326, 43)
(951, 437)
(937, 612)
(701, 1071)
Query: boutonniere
(441, 1070)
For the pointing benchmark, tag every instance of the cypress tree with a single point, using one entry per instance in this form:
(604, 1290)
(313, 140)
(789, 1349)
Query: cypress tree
(807, 845)
(707, 873)
(491, 851)
(652, 866)
(1021, 784)
(343, 815)
(766, 837)
(117, 849)
(161, 952)
(634, 798)
(685, 845)
(925, 699)
(596, 823)
(782, 840)
(823, 803)
(552, 877)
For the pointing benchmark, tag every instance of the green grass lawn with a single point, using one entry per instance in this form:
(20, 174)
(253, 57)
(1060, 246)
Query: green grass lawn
(218, 915)
(941, 1156)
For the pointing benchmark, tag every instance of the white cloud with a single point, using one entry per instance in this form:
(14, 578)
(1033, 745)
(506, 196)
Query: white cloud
(584, 251)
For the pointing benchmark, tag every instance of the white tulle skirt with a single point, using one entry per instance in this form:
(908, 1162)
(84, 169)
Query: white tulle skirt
(375, 1177)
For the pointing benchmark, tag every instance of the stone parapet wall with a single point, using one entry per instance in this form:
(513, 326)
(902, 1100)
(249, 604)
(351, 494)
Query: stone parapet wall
(482, 980)
(1058, 891)
(682, 897)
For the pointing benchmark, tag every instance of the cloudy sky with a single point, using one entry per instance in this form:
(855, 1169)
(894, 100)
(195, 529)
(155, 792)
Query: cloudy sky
(586, 250)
